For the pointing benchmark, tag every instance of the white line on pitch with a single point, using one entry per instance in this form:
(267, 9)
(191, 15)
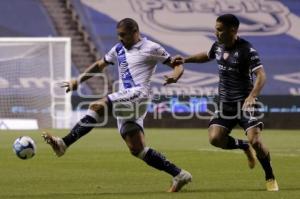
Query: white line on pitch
(239, 151)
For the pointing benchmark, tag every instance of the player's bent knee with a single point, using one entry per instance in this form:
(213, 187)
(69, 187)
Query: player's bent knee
(130, 129)
(214, 141)
(135, 152)
(98, 106)
(216, 136)
(255, 143)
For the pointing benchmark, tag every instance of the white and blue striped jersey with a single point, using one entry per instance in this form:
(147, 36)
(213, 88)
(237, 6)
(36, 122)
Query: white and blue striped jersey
(136, 65)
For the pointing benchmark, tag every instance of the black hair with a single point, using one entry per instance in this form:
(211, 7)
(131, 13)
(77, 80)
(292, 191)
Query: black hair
(229, 20)
(128, 24)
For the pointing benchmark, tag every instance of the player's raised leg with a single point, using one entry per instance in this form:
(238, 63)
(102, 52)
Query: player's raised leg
(133, 135)
(219, 137)
(96, 110)
(263, 155)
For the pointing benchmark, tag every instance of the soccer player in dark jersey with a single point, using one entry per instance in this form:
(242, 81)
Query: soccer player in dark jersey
(237, 61)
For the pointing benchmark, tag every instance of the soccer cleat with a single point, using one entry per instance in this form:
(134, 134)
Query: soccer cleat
(272, 185)
(180, 180)
(250, 153)
(57, 144)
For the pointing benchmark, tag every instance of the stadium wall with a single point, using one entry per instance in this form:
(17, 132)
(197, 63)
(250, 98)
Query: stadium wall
(277, 112)
(187, 27)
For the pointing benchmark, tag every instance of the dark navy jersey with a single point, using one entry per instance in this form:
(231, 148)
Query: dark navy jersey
(236, 65)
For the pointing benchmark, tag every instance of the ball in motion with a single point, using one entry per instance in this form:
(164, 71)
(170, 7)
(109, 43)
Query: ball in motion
(24, 147)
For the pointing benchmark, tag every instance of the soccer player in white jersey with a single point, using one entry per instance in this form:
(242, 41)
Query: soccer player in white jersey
(136, 59)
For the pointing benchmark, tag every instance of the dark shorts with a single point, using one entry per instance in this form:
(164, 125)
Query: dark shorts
(230, 114)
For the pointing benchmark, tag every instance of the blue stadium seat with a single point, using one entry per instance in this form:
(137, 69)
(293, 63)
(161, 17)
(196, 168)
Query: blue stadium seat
(24, 18)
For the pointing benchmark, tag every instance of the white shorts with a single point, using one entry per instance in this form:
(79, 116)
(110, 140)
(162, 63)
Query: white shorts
(130, 105)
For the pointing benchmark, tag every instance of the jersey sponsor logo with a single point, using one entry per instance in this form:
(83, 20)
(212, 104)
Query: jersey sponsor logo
(228, 68)
(236, 55)
(258, 17)
(129, 98)
(161, 52)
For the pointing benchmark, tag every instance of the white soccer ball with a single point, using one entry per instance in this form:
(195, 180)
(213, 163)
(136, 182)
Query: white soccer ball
(24, 147)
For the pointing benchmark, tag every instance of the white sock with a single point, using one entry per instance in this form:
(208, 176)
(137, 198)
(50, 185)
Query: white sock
(94, 115)
(142, 154)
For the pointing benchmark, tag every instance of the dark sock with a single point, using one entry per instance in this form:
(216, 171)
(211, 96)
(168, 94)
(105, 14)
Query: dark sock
(158, 161)
(266, 165)
(237, 143)
(80, 129)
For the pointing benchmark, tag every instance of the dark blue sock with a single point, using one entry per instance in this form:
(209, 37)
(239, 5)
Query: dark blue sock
(237, 143)
(158, 161)
(266, 165)
(85, 125)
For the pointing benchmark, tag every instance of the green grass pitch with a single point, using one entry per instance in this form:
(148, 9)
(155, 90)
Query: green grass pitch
(100, 166)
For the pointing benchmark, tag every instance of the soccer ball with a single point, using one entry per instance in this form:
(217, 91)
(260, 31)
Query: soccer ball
(24, 147)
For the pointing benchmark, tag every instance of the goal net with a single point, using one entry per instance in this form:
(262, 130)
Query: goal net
(30, 69)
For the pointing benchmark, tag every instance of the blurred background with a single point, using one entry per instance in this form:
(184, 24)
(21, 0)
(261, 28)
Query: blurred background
(44, 42)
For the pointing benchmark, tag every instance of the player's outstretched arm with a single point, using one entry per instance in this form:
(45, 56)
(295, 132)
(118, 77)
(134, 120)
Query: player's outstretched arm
(197, 58)
(175, 76)
(96, 67)
(258, 85)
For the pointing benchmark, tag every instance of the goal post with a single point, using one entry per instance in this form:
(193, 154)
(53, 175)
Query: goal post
(30, 69)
